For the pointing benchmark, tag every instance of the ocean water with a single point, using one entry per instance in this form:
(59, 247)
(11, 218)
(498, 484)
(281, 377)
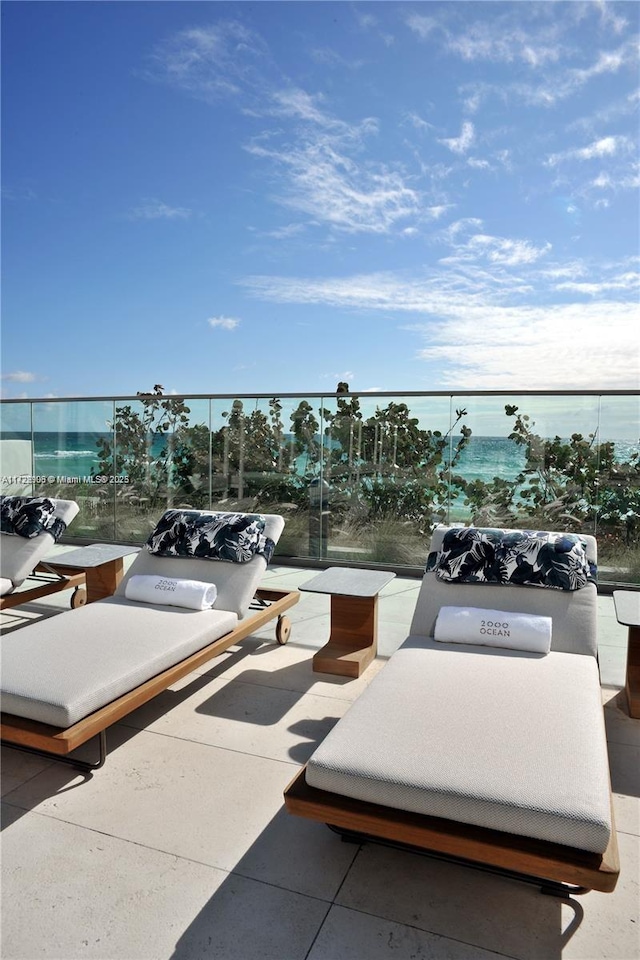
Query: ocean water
(75, 455)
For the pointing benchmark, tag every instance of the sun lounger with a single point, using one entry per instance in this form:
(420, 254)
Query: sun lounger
(490, 755)
(30, 528)
(68, 679)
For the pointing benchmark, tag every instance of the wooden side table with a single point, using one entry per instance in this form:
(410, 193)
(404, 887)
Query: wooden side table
(103, 566)
(627, 604)
(353, 640)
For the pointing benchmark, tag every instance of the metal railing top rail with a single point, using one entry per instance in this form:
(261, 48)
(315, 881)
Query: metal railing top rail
(331, 393)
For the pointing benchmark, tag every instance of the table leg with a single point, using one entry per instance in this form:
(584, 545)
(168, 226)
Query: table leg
(632, 685)
(353, 641)
(103, 580)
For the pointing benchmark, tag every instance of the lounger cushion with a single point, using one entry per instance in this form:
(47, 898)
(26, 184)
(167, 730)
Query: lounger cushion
(573, 612)
(19, 556)
(524, 558)
(232, 537)
(500, 739)
(62, 669)
(236, 582)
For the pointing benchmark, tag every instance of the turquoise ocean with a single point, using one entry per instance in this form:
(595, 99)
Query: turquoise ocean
(75, 455)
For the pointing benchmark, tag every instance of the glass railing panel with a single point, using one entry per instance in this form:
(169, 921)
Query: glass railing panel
(16, 450)
(530, 461)
(156, 456)
(618, 501)
(265, 458)
(66, 435)
(385, 476)
(360, 479)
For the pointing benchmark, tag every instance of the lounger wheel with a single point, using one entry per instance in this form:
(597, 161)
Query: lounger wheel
(283, 629)
(78, 598)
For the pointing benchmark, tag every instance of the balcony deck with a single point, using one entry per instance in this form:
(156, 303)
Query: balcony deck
(180, 846)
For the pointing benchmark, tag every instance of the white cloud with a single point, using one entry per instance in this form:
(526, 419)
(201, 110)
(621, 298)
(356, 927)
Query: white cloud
(422, 26)
(211, 63)
(286, 232)
(470, 245)
(462, 143)
(501, 42)
(416, 121)
(543, 346)
(604, 147)
(158, 210)
(478, 164)
(321, 179)
(224, 323)
(19, 376)
(494, 318)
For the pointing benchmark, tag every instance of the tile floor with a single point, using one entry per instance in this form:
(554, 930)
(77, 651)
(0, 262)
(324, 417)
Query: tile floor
(180, 846)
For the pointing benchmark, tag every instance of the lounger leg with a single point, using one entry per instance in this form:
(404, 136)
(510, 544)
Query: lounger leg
(87, 766)
(550, 888)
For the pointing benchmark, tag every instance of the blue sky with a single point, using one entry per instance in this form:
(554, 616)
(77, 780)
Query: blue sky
(272, 197)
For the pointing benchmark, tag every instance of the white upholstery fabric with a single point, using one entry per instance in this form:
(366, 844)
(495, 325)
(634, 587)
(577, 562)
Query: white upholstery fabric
(6, 586)
(167, 591)
(572, 612)
(493, 628)
(19, 556)
(62, 669)
(496, 738)
(236, 582)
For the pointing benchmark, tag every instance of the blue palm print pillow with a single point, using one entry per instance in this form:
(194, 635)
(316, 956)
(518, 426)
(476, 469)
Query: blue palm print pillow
(29, 517)
(233, 537)
(519, 557)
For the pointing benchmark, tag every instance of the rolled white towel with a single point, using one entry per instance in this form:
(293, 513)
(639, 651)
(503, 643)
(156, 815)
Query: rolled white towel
(169, 591)
(493, 628)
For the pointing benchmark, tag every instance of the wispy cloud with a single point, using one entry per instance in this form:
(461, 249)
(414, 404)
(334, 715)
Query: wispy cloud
(604, 147)
(421, 25)
(537, 345)
(492, 315)
(17, 193)
(321, 176)
(224, 323)
(211, 63)
(503, 42)
(19, 376)
(152, 209)
(464, 142)
(469, 244)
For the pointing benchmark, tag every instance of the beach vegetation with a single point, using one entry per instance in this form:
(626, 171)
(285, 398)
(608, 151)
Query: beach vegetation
(381, 482)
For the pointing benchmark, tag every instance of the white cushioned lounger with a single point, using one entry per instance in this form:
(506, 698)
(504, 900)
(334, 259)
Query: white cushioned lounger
(509, 743)
(108, 648)
(69, 677)
(19, 557)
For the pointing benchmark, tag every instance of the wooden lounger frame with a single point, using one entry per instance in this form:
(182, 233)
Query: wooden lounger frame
(58, 743)
(49, 582)
(552, 866)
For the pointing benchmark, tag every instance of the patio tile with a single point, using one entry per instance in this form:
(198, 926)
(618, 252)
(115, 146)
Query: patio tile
(613, 662)
(100, 897)
(199, 802)
(290, 668)
(351, 935)
(18, 768)
(611, 922)
(621, 728)
(260, 720)
(489, 911)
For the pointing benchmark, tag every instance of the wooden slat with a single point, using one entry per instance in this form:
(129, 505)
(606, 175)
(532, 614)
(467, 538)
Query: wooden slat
(30, 733)
(502, 851)
(44, 590)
